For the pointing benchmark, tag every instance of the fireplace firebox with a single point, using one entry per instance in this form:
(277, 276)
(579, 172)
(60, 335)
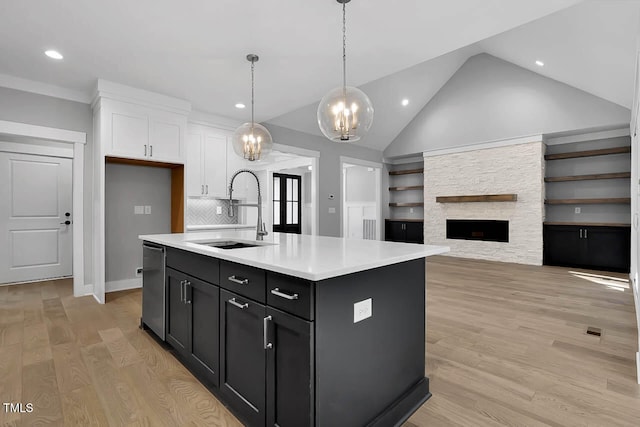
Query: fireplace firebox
(478, 229)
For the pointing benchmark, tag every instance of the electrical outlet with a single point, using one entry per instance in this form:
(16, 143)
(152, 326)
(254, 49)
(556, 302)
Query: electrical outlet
(147, 210)
(410, 210)
(219, 210)
(139, 271)
(362, 310)
(138, 210)
(578, 210)
(332, 210)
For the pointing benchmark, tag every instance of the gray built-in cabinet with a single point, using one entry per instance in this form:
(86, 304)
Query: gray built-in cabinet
(284, 351)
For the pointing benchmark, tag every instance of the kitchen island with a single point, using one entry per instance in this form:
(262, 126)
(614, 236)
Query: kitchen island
(299, 330)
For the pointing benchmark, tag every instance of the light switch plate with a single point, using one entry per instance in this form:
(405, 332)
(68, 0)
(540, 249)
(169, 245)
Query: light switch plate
(578, 210)
(147, 210)
(138, 210)
(219, 210)
(362, 310)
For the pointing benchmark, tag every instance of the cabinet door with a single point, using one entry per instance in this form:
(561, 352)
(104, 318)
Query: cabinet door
(178, 312)
(165, 139)
(414, 232)
(204, 299)
(130, 135)
(394, 231)
(215, 163)
(608, 248)
(242, 357)
(290, 370)
(235, 163)
(563, 245)
(195, 183)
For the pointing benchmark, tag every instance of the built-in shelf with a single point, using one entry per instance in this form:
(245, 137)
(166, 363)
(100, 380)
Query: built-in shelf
(406, 172)
(588, 153)
(406, 205)
(404, 220)
(601, 201)
(478, 198)
(618, 175)
(589, 224)
(412, 187)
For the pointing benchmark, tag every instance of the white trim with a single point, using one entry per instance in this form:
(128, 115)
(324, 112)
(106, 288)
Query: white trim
(88, 290)
(296, 150)
(39, 150)
(360, 162)
(404, 160)
(44, 132)
(120, 92)
(615, 133)
(46, 89)
(483, 145)
(638, 366)
(205, 119)
(78, 139)
(123, 285)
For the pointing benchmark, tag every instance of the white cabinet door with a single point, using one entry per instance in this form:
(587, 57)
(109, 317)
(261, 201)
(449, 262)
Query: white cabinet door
(215, 163)
(165, 140)
(235, 163)
(194, 166)
(130, 135)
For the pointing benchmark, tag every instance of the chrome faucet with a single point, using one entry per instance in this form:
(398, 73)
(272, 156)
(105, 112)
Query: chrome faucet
(261, 230)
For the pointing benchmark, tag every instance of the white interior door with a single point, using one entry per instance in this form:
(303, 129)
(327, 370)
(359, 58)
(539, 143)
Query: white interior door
(36, 194)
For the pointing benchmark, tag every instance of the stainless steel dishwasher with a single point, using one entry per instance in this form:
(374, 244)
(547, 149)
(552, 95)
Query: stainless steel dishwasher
(153, 288)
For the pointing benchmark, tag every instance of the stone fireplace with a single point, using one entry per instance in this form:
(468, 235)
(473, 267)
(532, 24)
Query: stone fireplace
(476, 228)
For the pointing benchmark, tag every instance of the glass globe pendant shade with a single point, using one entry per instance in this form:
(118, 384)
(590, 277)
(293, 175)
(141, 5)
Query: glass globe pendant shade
(252, 141)
(345, 114)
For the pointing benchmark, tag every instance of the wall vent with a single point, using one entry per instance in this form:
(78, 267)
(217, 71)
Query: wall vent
(594, 331)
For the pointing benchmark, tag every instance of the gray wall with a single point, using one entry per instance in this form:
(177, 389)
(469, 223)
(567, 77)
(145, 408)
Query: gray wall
(329, 170)
(125, 187)
(490, 99)
(606, 213)
(25, 107)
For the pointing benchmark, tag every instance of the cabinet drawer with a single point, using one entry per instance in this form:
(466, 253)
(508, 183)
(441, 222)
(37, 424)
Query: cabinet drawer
(200, 266)
(243, 280)
(291, 294)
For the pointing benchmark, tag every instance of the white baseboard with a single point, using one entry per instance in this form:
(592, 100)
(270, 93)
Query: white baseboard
(121, 285)
(88, 289)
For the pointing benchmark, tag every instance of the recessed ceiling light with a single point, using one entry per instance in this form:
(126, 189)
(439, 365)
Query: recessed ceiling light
(54, 54)
(240, 105)
(539, 63)
(405, 102)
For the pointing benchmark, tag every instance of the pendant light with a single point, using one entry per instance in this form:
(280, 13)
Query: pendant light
(252, 141)
(345, 114)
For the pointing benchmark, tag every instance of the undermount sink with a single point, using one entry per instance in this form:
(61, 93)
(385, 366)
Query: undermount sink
(231, 244)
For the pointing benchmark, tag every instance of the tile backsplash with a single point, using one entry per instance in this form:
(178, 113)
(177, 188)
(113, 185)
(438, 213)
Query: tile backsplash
(203, 212)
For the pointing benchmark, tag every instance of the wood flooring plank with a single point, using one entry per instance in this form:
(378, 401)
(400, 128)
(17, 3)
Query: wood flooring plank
(39, 387)
(71, 371)
(10, 380)
(11, 333)
(122, 352)
(82, 407)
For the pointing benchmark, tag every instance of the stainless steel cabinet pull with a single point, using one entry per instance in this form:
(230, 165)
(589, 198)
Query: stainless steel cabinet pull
(151, 151)
(277, 292)
(581, 233)
(182, 291)
(265, 336)
(239, 281)
(202, 189)
(233, 301)
(207, 187)
(585, 233)
(145, 150)
(187, 292)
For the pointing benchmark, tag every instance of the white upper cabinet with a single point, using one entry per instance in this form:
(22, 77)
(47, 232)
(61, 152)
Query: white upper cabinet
(139, 132)
(194, 165)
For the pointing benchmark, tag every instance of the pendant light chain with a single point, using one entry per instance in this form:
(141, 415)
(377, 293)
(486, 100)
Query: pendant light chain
(344, 48)
(253, 64)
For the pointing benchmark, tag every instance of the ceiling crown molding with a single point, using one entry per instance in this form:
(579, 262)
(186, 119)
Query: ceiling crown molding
(42, 88)
(120, 92)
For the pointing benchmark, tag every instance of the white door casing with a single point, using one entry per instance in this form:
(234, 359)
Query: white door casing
(36, 244)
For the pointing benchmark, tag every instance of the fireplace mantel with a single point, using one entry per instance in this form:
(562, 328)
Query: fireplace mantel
(478, 198)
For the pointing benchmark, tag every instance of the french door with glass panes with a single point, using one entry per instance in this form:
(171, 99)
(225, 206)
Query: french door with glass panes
(287, 209)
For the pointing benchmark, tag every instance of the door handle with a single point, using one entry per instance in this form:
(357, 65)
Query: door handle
(239, 281)
(277, 292)
(265, 333)
(235, 303)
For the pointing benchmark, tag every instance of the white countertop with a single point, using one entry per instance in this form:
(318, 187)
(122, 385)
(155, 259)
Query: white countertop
(309, 257)
(218, 227)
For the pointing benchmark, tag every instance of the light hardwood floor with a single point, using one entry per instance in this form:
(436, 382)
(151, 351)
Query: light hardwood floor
(506, 345)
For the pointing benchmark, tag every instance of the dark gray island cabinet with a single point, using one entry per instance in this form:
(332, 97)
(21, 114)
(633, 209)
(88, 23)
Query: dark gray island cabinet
(280, 350)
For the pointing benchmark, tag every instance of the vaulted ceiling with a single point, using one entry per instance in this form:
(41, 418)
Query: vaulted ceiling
(195, 49)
